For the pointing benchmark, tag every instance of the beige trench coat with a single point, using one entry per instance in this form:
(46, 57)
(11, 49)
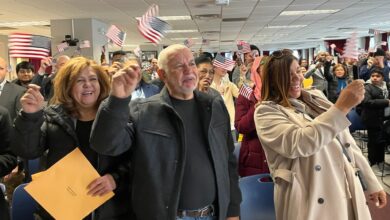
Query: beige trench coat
(313, 179)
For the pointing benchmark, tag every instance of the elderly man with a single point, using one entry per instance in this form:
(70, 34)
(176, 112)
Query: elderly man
(10, 93)
(182, 151)
(45, 80)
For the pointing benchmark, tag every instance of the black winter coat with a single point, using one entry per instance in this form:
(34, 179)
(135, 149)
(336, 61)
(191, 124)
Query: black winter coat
(54, 130)
(373, 106)
(154, 134)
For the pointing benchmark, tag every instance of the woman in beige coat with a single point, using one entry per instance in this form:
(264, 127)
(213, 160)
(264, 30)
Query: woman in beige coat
(303, 136)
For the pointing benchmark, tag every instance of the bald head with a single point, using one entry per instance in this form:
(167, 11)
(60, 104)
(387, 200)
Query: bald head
(61, 60)
(3, 69)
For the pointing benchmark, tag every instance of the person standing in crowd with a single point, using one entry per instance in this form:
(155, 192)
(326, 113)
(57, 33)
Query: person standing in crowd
(206, 75)
(25, 72)
(10, 93)
(228, 91)
(376, 100)
(45, 80)
(151, 73)
(240, 76)
(378, 62)
(181, 147)
(338, 79)
(252, 159)
(7, 159)
(319, 172)
(79, 87)
(143, 89)
(317, 71)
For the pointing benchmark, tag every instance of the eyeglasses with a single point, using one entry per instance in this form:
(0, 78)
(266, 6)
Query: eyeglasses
(281, 53)
(205, 71)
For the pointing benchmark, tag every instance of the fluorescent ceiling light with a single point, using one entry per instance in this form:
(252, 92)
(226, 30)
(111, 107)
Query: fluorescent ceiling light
(309, 12)
(181, 31)
(286, 26)
(172, 18)
(23, 23)
(185, 38)
(175, 18)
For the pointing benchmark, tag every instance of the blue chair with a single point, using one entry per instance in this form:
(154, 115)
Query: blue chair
(31, 167)
(356, 121)
(257, 197)
(23, 205)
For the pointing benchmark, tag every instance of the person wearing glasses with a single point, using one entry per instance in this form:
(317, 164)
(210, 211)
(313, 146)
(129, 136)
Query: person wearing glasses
(318, 170)
(206, 75)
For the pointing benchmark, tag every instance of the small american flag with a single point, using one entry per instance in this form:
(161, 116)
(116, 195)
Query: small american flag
(62, 47)
(85, 44)
(116, 35)
(188, 42)
(246, 91)
(221, 61)
(151, 27)
(28, 46)
(243, 47)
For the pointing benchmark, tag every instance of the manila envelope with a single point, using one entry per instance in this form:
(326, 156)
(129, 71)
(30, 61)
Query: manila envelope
(62, 189)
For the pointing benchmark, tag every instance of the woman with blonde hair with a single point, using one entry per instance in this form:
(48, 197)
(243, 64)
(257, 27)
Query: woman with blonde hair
(79, 88)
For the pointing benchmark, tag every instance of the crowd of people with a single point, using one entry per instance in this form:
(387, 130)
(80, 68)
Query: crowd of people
(162, 137)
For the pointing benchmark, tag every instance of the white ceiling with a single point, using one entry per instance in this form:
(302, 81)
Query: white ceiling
(256, 15)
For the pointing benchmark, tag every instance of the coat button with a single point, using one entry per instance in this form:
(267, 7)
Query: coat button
(317, 167)
(166, 207)
(321, 200)
(347, 145)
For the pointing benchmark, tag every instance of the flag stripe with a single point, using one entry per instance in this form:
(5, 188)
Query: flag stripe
(222, 62)
(116, 35)
(28, 45)
(245, 91)
(151, 27)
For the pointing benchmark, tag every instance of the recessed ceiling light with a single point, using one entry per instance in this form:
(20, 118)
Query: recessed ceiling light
(309, 12)
(286, 26)
(181, 31)
(23, 23)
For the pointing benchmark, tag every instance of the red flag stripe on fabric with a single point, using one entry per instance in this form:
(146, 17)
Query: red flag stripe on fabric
(222, 62)
(116, 35)
(144, 26)
(150, 26)
(245, 91)
(28, 46)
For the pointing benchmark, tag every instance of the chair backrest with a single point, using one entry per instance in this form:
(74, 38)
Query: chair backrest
(356, 121)
(32, 167)
(23, 205)
(257, 197)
